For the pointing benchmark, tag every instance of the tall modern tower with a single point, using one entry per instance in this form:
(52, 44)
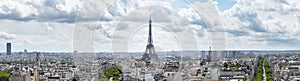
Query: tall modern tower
(8, 48)
(150, 54)
(209, 56)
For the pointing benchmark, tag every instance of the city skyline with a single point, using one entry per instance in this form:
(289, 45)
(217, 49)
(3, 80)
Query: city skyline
(49, 25)
(149, 40)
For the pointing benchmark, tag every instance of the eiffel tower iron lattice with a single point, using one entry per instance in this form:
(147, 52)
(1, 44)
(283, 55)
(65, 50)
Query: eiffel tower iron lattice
(150, 54)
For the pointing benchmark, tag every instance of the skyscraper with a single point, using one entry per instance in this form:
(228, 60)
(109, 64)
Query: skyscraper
(209, 54)
(8, 48)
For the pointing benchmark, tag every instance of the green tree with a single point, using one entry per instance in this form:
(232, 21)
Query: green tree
(4, 75)
(259, 71)
(74, 79)
(113, 72)
(268, 71)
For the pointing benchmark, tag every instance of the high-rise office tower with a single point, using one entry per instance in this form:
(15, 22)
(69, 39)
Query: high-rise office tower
(209, 54)
(8, 48)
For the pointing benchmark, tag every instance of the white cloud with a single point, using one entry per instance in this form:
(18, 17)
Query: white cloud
(39, 10)
(53, 13)
(35, 36)
(48, 24)
(265, 21)
(7, 36)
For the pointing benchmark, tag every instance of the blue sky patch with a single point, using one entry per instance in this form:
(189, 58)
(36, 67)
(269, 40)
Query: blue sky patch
(225, 4)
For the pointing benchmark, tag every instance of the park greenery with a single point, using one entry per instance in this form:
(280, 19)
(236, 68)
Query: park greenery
(259, 72)
(4, 75)
(268, 71)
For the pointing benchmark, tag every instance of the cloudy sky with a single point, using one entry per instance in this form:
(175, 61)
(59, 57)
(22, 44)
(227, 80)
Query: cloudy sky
(121, 25)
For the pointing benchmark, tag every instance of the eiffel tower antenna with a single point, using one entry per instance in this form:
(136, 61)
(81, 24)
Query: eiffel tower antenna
(150, 41)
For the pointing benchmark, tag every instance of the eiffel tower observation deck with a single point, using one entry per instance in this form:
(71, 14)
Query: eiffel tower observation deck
(150, 54)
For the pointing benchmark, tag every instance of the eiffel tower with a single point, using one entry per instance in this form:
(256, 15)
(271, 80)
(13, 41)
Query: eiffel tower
(150, 54)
